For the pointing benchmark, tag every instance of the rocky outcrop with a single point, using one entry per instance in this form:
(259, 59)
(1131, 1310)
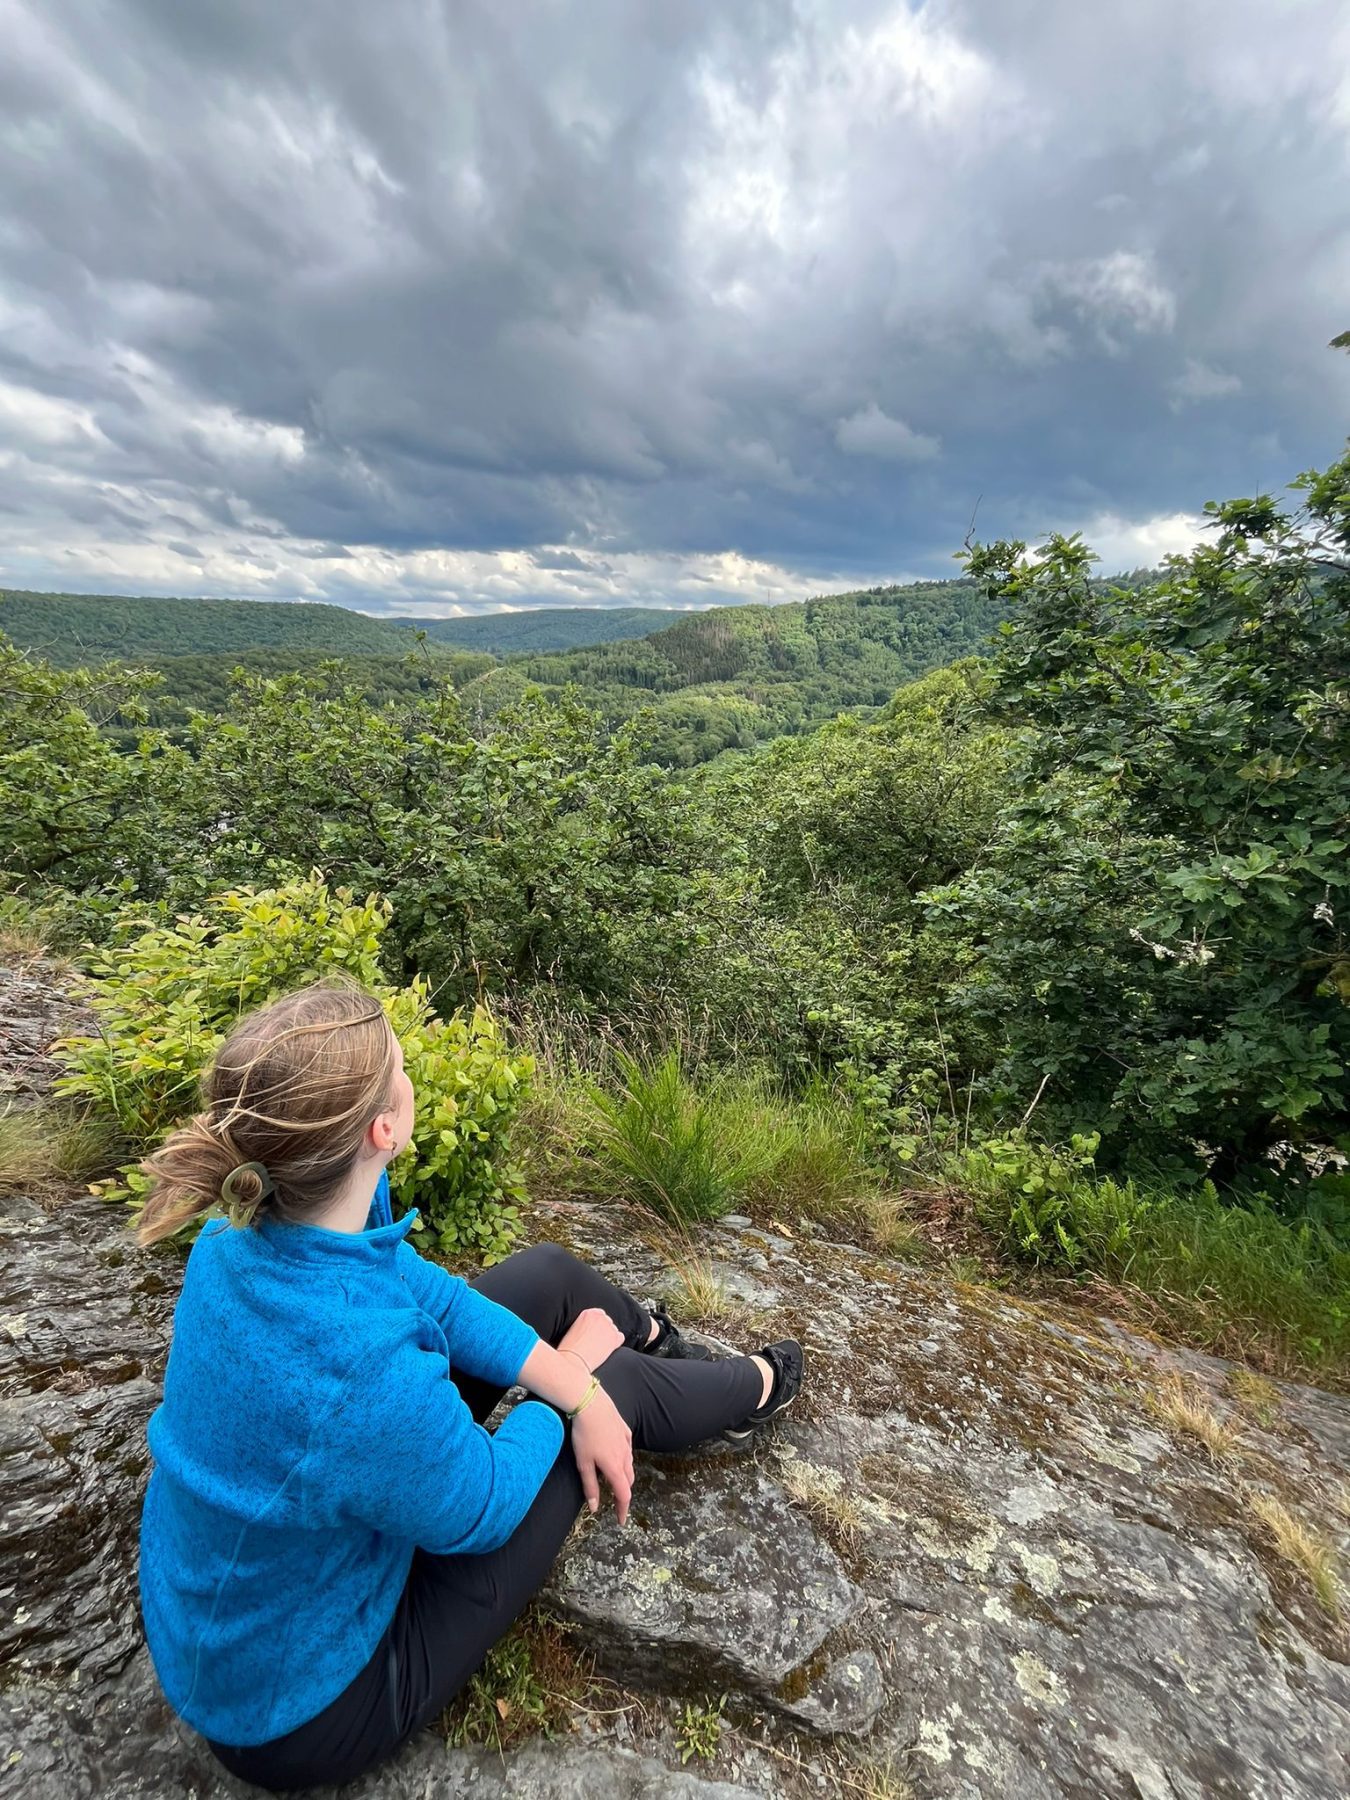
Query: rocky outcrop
(986, 1552)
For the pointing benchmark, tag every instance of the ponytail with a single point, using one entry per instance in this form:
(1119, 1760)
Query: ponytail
(190, 1171)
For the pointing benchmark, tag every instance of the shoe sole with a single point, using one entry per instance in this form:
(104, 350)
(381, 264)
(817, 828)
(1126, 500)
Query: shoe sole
(745, 1434)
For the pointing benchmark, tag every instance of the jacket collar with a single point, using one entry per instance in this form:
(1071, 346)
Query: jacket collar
(317, 1243)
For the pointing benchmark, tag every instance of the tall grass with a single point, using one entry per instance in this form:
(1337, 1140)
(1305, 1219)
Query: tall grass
(1229, 1274)
(689, 1148)
(657, 1142)
(42, 1147)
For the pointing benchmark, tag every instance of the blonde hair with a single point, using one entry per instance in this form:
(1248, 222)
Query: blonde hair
(289, 1098)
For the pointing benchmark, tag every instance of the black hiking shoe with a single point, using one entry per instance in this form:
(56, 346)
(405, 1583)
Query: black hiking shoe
(788, 1362)
(670, 1340)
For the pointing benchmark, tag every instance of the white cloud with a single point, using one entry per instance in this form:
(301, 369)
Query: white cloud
(1200, 381)
(871, 432)
(1124, 544)
(45, 421)
(1122, 291)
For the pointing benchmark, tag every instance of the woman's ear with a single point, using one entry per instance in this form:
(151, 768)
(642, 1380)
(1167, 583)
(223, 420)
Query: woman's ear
(384, 1132)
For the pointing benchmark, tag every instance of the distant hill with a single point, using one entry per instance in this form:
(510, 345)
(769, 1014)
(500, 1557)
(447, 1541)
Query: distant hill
(735, 676)
(546, 628)
(75, 629)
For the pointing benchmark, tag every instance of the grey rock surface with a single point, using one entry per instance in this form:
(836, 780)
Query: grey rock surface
(122, 1743)
(715, 1582)
(981, 1546)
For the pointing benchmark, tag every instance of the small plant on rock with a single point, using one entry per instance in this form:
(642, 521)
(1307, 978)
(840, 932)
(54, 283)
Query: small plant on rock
(700, 1731)
(530, 1685)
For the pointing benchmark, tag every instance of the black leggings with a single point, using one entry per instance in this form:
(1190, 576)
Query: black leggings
(454, 1608)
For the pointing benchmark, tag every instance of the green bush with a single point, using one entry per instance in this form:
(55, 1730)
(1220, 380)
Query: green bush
(1043, 1205)
(1160, 916)
(167, 992)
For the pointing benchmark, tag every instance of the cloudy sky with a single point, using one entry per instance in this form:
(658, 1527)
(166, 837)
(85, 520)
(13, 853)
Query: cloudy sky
(443, 305)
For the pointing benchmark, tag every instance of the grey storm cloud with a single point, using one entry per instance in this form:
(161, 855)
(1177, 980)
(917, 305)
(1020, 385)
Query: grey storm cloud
(470, 304)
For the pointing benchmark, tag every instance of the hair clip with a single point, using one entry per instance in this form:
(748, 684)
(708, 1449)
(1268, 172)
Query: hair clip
(242, 1211)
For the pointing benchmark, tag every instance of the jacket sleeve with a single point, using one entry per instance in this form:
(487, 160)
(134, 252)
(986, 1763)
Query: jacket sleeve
(403, 1455)
(482, 1338)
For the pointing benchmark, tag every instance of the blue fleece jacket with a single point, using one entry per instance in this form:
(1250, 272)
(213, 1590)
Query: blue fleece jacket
(309, 1439)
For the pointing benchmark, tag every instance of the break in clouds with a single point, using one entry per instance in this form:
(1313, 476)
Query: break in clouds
(446, 304)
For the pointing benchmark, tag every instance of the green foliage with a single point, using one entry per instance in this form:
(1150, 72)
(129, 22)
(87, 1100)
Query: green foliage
(469, 1087)
(188, 684)
(74, 811)
(700, 1730)
(521, 855)
(1036, 1198)
(1161, 918)
(530, 1682)
(1229, 1274)
(166, 992)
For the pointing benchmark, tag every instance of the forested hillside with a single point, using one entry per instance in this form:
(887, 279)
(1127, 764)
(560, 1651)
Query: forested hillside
(79, 630)
(737, 676)
(541, 629)
(727, 678)
(1048, 959)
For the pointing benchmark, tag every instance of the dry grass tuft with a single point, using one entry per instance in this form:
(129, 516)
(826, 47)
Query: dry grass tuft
(44, 1147)
(694, 1291)
(880, 1781)
(21, 942)
(1302, 1548)
(1257, 1394)
(1185, 1409)
(822, 1493)
(893, 1231)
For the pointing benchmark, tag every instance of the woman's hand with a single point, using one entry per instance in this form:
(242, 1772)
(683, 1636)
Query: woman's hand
(603, 1446)
(592, 1336)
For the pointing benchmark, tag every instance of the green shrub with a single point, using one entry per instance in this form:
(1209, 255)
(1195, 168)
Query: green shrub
(1038, 1202)
(166, 993)
(1159, 917)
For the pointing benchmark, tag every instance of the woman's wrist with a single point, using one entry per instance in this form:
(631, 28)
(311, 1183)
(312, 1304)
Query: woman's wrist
(559, 1377)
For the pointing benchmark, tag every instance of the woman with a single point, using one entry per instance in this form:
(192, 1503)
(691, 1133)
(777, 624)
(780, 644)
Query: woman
(331, 1540)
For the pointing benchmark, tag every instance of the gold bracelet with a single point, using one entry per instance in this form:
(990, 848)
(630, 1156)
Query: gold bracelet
(585, 1399)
